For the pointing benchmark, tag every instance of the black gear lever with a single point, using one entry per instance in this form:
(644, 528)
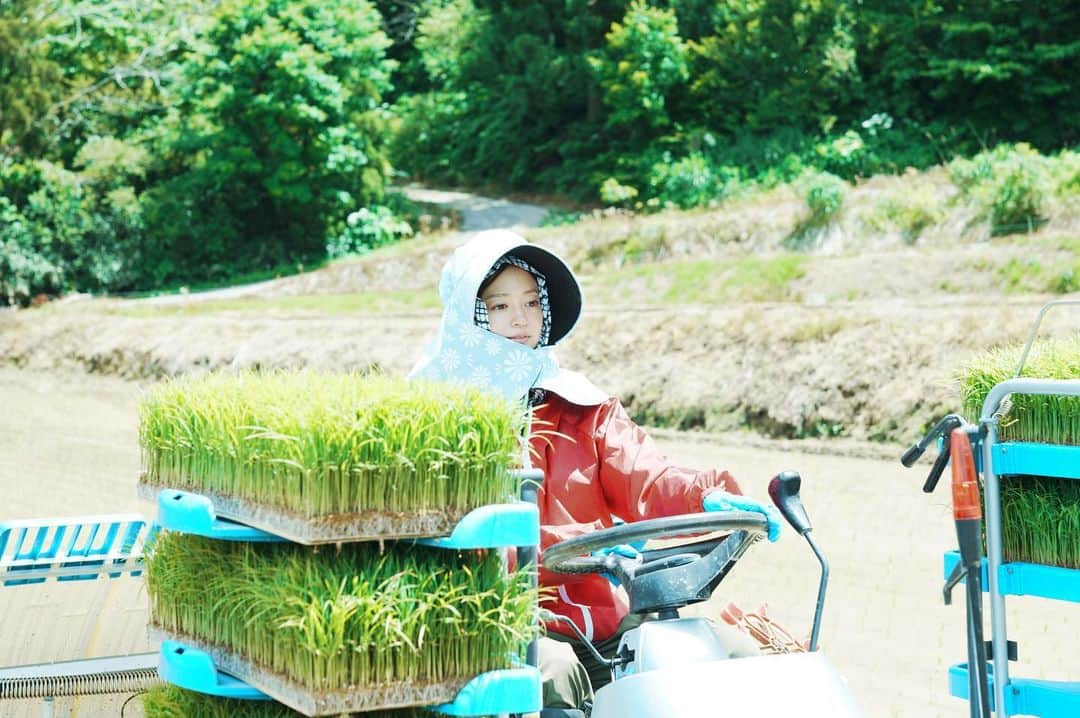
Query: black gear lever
(784, 491)
(943, 429)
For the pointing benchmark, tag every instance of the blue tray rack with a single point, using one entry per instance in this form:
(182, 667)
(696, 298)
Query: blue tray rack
(511, 525)
(1020, 696)
(1026, 697)
(1027, 579)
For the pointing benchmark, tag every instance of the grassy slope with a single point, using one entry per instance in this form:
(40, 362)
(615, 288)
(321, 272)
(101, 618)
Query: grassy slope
(706, 319)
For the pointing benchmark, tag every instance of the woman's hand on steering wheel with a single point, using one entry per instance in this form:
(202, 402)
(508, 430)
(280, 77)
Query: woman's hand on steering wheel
(720, 500)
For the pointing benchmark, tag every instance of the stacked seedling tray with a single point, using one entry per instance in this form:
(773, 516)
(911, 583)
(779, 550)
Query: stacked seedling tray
(1030, 463)
(337, 544)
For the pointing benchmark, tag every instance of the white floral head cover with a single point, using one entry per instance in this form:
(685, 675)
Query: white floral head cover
(462, 351)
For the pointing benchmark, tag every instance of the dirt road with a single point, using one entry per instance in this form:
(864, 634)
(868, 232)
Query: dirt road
(68, 446)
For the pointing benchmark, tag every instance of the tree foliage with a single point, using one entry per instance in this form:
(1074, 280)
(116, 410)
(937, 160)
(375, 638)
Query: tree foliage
(152, 141)
(30, 82)
(276, 135)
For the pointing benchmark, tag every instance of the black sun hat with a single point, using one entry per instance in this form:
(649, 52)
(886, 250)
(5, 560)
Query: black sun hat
(564, 292)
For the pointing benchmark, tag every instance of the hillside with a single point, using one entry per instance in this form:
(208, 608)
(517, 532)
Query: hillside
(714, 319)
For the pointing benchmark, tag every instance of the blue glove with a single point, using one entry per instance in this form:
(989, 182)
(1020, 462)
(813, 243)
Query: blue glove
(624, 549)
(723, 501)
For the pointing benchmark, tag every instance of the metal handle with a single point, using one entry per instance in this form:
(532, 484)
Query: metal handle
(1035, 329)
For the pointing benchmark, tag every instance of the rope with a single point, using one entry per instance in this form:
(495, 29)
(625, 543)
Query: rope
(84, 685)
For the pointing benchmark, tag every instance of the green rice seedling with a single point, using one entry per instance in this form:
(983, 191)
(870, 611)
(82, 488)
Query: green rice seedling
(1045, 419)
(312, 444)
(341, 618)
(173, 702)
(1040, 515)
(1041, 520)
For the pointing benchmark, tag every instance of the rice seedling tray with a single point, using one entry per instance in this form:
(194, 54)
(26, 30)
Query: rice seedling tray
(313, 456)
(493, 526)
(170, 701)
(311, 625)
(196, 665)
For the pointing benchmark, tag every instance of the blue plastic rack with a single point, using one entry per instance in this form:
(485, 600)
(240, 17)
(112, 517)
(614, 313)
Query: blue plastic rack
(1048, 699)
(1054, 460)
(72, 549)
(1027, 579)
(493, 526)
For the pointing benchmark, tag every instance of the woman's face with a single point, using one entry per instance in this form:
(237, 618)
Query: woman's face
(513, 305)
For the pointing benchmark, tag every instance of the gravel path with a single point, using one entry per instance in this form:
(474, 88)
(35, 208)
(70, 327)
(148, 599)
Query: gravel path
(479, 213)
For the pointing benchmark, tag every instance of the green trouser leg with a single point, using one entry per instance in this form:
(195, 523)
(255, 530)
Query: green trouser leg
(566, 682)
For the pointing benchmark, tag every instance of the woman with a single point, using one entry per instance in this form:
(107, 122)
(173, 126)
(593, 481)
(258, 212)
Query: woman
(507, 304)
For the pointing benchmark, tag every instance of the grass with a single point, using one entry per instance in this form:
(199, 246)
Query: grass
(347, 617)
(1048, 419)
(382, 302)
(257, 275)
(911, 209)
(1030, 275)
(747, 279)
(173, 702)
(818, 330)
(314, 444)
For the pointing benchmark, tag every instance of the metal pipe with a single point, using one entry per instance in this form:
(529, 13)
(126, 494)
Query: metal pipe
(530, 479)
(993, 560)
(1035, 329)
(989, 420)
(821, 592)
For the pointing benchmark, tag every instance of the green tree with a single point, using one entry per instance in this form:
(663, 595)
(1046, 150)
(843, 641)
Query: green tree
(518, 106)
(775, 64)
(1005, 69)
(74, 69)
(643, 62)
(276, 136)
(30, 82)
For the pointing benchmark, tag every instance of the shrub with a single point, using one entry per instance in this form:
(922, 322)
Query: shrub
(1019, 195)
(644, 60)
(24, 271)
(68, 231)
(691, 181)
(1066, 174)
(912, 209)
(614, 193)
(1008, 185)
(844, 156)
(367, 229)
(824, 196)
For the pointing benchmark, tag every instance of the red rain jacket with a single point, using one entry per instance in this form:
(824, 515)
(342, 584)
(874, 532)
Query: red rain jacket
(598, 462)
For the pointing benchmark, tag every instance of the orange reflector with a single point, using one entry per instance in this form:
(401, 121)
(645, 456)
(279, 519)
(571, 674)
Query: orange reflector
(965, 482)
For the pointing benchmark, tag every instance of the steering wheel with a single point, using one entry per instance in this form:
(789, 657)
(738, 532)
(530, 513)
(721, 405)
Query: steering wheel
(669, 578)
